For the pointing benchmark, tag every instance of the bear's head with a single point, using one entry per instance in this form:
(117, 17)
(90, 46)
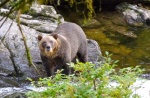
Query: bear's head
(48, 45)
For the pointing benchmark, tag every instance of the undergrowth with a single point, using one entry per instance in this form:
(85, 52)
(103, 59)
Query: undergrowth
(90, 81)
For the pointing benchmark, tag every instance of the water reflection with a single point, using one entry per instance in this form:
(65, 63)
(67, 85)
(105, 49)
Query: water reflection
(130, 51)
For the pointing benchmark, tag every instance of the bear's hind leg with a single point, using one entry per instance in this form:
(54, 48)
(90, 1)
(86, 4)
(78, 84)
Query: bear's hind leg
(63, 64)
(82, 55)
(67, 70)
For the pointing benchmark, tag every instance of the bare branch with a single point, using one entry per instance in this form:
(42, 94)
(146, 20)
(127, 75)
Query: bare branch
(12, 55)
(6, 33)
(25, 44)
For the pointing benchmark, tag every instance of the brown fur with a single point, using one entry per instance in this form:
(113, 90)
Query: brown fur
(53, 51)
(62, 47)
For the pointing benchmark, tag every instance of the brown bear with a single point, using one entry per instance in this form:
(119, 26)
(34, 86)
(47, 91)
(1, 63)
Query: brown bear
(61, 47)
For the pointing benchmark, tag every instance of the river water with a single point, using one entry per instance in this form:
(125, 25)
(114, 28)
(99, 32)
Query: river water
(129, 51)
(128, 44)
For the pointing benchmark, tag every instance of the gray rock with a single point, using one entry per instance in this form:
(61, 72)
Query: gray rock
(42, 18)
(13, 41)
(43, 10)
(4, 11)
(40, 25)
(94, 51)
(134, 15)
(8, 82)
(12, 92)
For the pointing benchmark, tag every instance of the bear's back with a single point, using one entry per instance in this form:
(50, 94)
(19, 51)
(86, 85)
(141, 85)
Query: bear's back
(70, 30)
(74, 34)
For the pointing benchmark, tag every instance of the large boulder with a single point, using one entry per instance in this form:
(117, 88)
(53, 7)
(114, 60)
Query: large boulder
(134, 15)
(42, 18)
(12, 49)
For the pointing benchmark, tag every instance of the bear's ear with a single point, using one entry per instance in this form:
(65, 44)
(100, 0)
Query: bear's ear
(55, 36)
(39, 37)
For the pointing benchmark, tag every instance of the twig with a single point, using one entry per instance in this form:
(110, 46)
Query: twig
(25, 44)
(6, 17)
(12, 55)
(3, 22)
(27, 50)
(94, 82)
(6, 33)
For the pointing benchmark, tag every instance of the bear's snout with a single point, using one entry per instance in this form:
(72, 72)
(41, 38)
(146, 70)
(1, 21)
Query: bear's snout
(48, 48)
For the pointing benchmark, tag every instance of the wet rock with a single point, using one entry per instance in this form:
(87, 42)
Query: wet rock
(134, 15)
(16, 92)
(12, 92)
(146, 76)
(94, 51)
(8, 82)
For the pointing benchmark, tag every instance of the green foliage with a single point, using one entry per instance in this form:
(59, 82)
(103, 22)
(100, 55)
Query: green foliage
(24, 5)
(90, 81)
(86, 8)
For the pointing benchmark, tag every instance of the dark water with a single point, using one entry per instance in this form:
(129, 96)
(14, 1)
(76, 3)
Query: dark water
(128, 44)
(129, 51)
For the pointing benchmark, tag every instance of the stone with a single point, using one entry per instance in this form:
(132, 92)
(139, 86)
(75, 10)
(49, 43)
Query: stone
(42, 18)
(134, 15)
(94, 51)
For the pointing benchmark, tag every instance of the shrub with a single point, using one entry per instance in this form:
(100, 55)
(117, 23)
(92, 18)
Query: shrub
(90, 81)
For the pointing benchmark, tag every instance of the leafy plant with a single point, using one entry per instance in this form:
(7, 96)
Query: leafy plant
(90, 81)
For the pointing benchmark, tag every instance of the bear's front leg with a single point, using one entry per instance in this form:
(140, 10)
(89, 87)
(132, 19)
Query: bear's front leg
(49, 68)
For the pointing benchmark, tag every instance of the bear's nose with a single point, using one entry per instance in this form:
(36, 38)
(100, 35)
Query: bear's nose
(48, 47)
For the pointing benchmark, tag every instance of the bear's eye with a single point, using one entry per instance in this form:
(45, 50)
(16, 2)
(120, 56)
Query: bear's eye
(51, 41)
(44, 43)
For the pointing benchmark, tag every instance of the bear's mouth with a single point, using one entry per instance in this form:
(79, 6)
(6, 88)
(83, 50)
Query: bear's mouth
(49, 50)
(48, 53)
